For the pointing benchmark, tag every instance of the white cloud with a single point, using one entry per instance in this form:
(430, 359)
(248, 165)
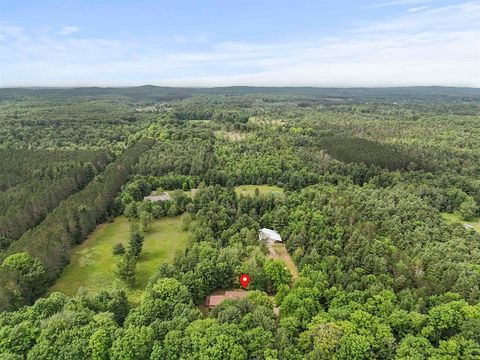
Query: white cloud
(437, 46)
(68, 30)
(12, 32)
(398, 3)
(416, 9)
(196, 38)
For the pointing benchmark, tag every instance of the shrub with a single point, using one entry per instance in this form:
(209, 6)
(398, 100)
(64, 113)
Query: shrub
(118, 249)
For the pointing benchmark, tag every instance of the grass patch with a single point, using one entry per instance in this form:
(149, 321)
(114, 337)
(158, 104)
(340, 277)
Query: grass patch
(454, 218)
(92, 263)
(249, 190)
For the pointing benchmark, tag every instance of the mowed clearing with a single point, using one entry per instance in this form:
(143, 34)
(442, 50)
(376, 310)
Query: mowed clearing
(454, 218)
(249, 190)
(92, 263)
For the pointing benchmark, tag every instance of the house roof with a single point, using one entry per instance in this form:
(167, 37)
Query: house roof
(236, 294)
(272, 234)
(214, 300)
(161, 197)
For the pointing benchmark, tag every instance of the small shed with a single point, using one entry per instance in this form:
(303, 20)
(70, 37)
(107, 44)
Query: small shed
(269, 236)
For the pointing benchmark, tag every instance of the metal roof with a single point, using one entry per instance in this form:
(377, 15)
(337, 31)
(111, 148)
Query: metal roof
(272, 234)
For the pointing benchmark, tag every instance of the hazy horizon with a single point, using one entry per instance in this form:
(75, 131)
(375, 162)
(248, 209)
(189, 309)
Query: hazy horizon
(40, 87)
(346, 44)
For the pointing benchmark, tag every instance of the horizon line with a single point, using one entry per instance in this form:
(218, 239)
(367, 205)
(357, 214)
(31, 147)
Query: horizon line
(32, 87)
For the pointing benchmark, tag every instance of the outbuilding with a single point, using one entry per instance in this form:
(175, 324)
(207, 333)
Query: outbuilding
(158, 197)
(269, 236)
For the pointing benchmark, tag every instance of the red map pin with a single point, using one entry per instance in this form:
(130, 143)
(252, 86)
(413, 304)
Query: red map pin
(244, 279)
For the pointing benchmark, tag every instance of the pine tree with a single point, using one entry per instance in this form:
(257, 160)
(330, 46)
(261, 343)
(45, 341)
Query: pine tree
(126, 268)
(89, 170)
(135, 242)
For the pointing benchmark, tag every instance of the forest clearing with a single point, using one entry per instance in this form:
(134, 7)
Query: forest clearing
(92, 263)
(473, 224)
(249, 190)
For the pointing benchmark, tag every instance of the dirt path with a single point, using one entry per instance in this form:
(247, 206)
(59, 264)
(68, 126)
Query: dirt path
(279, 251)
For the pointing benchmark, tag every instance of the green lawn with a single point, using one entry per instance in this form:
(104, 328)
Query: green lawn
(249, 190)
(456, 218)
(92, 263)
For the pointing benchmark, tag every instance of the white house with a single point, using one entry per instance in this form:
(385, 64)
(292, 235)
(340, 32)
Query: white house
(269, 236)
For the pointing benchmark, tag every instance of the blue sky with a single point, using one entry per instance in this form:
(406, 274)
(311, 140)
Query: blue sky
(246, 42)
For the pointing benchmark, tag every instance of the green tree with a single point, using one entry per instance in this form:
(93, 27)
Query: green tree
(132, 343)
(278, 273)
(414, 348)
(99, 345)
(4, 242)
(145, 219)
(29, 273)
(126, 269)
(118, 249)
(89, 170)
(131, 210)
(468, 208)
(135, 241)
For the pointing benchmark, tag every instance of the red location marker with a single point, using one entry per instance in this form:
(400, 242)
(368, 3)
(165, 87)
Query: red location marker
(244, 279)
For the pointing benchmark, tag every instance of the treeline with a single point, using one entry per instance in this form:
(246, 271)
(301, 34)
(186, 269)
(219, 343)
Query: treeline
(26, 204)
(447, 192)
(350, 149)
(184, 157)
(99, 123)
(199, 112)
(70, 223)
(19, 166)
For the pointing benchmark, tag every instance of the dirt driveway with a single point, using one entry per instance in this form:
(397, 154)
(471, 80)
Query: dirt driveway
(279, 251)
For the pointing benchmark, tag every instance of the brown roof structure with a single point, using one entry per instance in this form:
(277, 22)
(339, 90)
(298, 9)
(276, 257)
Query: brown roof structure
(214, 300)
(160, 197)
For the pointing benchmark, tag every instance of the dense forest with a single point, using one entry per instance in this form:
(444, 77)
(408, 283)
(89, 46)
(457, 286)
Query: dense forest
(370, 181)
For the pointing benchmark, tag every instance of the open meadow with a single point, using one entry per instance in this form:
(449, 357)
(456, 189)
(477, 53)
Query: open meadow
(92, 263)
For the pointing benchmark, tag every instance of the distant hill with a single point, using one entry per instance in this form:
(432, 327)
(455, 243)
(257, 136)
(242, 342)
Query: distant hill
(161, 93)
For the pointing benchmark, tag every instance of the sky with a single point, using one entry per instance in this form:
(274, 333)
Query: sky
(245, 42)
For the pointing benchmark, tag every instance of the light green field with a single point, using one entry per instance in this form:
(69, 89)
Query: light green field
(453, 218)
(92, 263)
(249, 190)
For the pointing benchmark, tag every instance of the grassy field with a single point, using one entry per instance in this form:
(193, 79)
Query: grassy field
(456, 218)
(249, 190)
(92, 263)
